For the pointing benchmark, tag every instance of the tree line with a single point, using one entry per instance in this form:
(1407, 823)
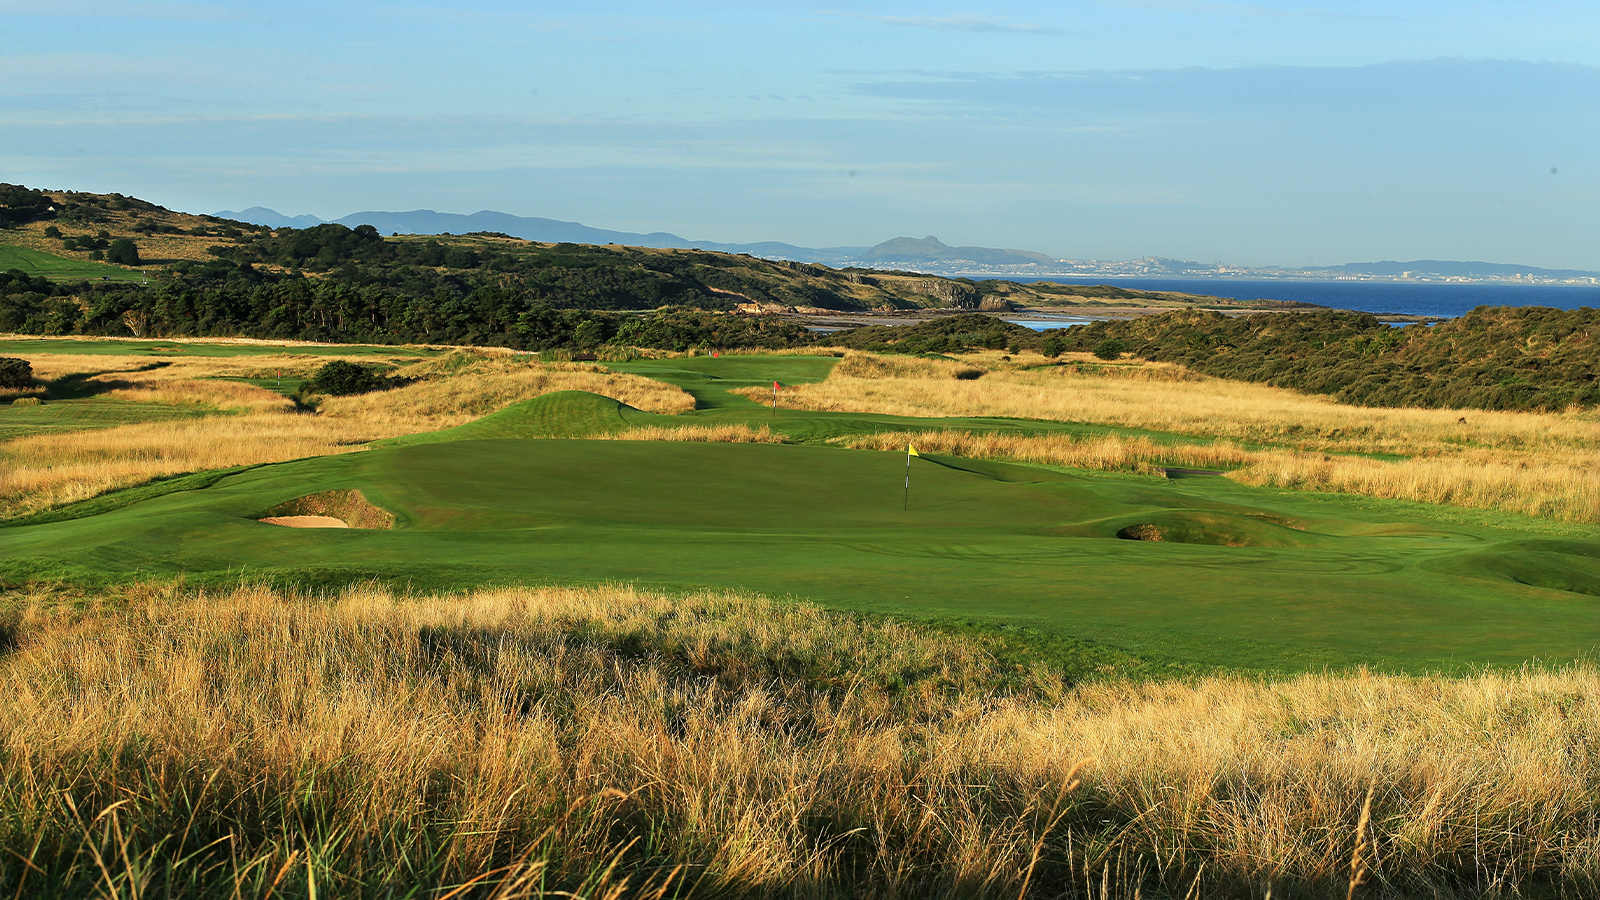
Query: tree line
(315, 310)
(1516, 358)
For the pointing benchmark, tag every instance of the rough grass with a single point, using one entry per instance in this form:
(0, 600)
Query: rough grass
(611, 742)
(1105, 453)
(255, 425)
(1530, 463)
(726, 433)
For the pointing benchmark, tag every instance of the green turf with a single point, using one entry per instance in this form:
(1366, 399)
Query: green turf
(1312, 584)
(38, 263)
(1027, 556)
(709, 378)
(58, 416)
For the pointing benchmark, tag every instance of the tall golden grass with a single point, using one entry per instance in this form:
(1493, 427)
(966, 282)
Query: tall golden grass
(462, 393)
(724, 433)
(612, 742)
(254, 425)
(1528, 463)
(1107, 452)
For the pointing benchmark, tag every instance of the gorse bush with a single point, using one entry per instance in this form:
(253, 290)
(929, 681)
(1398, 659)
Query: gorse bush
(1110, 348)
(124, 252)
(341, 378)
(15, 373)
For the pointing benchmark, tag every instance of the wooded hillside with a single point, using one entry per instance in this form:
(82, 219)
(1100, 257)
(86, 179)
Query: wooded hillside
(1495, 357)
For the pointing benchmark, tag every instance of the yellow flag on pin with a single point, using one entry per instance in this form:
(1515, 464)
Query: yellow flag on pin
(911, 450)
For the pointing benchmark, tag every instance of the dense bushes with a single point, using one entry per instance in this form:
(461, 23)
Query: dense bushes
(15, 373)
(947, 334)
(565, 275)
(239, 300)
(340, 378)
(19, 205)
(1532, 358)
(123, 252)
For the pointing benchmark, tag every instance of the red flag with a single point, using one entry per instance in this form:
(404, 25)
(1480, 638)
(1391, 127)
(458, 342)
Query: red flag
(774, 385)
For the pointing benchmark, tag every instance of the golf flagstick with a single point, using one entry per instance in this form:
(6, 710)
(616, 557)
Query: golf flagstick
(774, 398)
(911, 450)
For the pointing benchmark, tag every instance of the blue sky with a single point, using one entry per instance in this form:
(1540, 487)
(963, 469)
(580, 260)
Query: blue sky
(1272, 133)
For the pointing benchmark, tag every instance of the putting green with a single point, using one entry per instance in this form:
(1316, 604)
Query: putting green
(1242, 577)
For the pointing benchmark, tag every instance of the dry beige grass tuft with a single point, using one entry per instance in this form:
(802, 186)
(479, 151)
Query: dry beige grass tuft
(1107, 453)
(461, 394)
(728, 433)
(593, 736)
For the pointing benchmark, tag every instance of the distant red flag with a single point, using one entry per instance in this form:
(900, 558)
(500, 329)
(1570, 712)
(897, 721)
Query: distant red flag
(774, 385)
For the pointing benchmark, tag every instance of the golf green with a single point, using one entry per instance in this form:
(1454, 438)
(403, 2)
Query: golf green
(1239, 576)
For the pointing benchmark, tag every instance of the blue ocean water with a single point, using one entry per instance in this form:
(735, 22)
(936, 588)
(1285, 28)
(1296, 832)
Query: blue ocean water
(1410, 299)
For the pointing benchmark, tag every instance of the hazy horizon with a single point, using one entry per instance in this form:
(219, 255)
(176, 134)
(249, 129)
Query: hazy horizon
(1266, 134)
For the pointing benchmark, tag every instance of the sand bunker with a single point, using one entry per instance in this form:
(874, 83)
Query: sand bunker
(329, 509)
(305, 521)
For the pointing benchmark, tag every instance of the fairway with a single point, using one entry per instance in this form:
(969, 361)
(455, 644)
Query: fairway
(1245, 577)
(57, 268)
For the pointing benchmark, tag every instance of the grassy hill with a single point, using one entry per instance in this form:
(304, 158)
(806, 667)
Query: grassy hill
(57, 267)
(79, 227)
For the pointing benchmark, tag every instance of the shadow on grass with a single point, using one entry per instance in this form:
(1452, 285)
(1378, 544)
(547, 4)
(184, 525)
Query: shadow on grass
(10, 637)
(80, 385)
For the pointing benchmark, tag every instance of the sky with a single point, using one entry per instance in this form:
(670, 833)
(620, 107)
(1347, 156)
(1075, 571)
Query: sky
(1268, 133)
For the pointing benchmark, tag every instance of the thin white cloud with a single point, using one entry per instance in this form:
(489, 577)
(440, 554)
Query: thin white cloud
(976, 24)
(1242, 10)
(164, 10)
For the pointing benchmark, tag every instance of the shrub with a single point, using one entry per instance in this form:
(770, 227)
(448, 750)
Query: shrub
(123, 251)
(340, 378)
(15, 373)
(26, 401)
(1110, 348)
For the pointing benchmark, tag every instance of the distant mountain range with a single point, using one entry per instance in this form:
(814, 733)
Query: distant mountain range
(1420, 270)
(1449, 269)
(928, 254)
(900, 250)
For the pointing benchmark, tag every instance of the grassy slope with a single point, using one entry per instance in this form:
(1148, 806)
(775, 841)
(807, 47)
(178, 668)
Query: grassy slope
(60, 416)
(49, 265)
(983, 542)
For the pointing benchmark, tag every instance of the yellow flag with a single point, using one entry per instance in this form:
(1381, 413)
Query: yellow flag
(911, 450)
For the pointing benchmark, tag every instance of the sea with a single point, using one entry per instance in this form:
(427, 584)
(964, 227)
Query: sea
(1378, 297)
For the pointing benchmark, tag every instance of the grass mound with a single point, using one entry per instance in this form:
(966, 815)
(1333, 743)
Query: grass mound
(348, 506)
(562, 414)
(1217, 529)
(1571, 566)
